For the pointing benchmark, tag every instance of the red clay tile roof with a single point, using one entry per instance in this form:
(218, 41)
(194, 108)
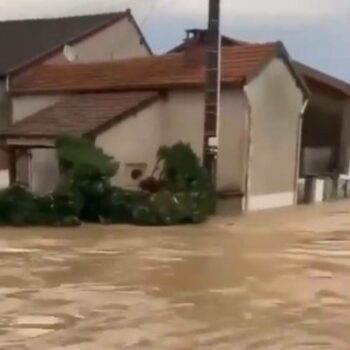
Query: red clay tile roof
(311, 75)
(177, 70)
(81, 115)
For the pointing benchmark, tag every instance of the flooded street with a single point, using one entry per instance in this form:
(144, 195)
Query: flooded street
(275, 280)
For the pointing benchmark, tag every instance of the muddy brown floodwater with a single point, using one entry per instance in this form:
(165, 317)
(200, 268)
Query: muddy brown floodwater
(273, 280)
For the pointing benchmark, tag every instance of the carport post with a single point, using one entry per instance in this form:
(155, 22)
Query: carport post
(11, 153)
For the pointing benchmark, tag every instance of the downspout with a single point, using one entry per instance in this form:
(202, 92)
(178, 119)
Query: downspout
(248, 150)
(298, 150)
(8, 83)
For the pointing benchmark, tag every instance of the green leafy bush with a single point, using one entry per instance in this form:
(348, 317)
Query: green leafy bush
(79, 157)
(19, 207)
(87, 171)
(182, 193)
(116, 206)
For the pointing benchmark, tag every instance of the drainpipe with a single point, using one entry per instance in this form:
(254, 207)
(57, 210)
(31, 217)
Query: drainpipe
(298, 150)
(8, 83)
(249, 150)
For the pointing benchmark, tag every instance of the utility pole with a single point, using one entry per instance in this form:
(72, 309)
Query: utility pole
(213, 81)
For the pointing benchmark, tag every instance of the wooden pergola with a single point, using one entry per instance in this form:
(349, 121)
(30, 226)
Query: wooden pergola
(16, 147)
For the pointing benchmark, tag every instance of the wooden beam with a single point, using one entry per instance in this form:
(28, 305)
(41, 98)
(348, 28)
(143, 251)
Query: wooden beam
(12, 161)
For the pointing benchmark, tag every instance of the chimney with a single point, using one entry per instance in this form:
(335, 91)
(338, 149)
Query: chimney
(197, 35)
(195, 48)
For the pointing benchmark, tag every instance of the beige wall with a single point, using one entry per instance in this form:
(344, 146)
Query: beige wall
(26, 105)
(276, 106)
(5, 105)
(131, 142)
(38, 169)
(44, 170)
(121, 40)
(4, 179)
(183, 119)
(232, 141)
(5, 117)
(134, 141)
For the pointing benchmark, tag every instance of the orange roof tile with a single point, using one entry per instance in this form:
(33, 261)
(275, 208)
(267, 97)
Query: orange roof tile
(185, 69)
(81, 115)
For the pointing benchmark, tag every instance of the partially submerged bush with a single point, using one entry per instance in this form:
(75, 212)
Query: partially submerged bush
(19, 207)
(79, 157)
(87, 171)
(182, 193)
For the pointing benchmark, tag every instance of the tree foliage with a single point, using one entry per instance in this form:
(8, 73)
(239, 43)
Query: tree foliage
(183, 192)
(19, 207)
(81, 158)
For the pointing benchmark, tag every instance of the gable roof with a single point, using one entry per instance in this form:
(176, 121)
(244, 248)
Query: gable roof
(24, 41)
(81, 115)
(179, 70)
(313, 76)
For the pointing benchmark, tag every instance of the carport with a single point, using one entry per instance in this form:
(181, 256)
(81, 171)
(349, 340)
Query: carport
(325, 146)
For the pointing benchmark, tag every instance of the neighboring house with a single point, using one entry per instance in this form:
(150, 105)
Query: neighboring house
(27, 43)
(326, 125)
(132, 107)
(325, 145)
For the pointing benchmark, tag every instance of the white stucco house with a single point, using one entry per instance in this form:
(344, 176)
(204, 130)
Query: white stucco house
(26, 43)
(131, 107)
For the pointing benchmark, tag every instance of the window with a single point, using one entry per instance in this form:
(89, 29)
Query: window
(134, 173)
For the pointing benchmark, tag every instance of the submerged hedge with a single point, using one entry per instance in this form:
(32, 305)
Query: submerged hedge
(180, 193)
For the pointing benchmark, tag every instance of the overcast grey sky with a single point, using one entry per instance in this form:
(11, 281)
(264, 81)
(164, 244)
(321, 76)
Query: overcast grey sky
(314, 31)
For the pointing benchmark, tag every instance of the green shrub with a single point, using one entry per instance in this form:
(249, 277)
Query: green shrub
(66, 209)
(116, 206)
(182, 193)
(18, 207)
(80, 158)
(87, 172)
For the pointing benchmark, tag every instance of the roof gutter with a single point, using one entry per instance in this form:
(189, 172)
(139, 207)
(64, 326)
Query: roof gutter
(8, 83)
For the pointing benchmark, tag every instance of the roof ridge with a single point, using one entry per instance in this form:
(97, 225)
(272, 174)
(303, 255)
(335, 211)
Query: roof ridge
(110, 63)
(148, 58)
(39, 19)
(154, 72)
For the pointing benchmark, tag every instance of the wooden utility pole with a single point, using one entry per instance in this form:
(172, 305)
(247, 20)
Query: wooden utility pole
(213, 79)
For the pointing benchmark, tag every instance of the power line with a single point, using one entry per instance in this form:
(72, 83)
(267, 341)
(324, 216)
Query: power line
(150, 13)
